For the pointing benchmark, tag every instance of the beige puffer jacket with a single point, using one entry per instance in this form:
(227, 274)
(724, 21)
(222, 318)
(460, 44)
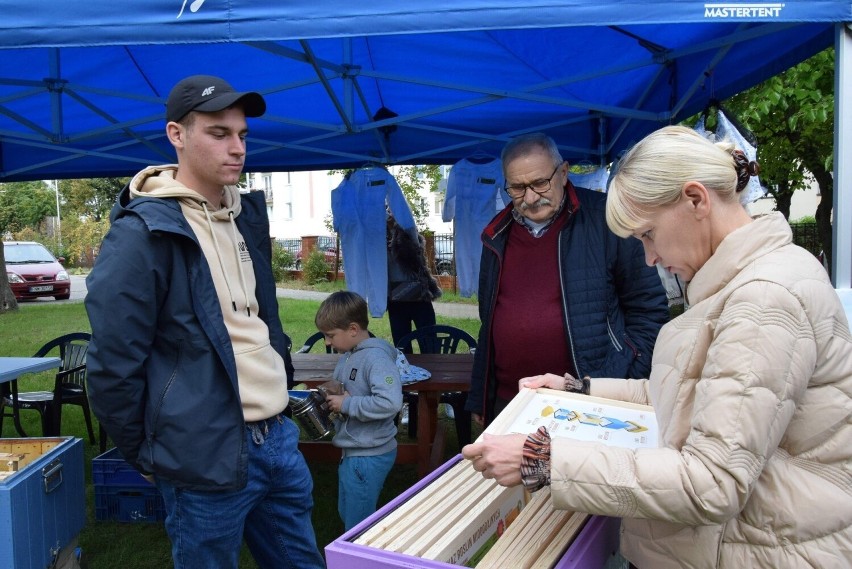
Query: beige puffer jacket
(752, 387)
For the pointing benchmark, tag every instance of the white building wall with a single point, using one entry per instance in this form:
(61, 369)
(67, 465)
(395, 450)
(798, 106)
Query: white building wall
(301, 202)
(804, 203)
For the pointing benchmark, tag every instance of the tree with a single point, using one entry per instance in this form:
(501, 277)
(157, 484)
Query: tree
(90, 198)
(22, 204)
(411, 180)
(792, 116)
(25, 204)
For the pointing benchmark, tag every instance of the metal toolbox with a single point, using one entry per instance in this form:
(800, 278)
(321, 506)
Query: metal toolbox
(42, 499)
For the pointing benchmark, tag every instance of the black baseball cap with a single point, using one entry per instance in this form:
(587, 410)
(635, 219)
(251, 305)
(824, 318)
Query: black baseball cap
(209, 94)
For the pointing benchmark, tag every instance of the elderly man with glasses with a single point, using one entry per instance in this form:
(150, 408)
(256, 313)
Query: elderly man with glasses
(557, 290)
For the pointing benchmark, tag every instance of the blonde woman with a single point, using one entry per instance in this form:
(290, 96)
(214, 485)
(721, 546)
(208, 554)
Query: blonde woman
(752, 386)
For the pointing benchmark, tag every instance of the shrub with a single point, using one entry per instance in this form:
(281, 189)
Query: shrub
(314, 268)
(803, 220)
(80, 240)
(282, 259)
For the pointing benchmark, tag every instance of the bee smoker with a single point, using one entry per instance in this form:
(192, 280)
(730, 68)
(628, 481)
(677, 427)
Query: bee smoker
(310, 408)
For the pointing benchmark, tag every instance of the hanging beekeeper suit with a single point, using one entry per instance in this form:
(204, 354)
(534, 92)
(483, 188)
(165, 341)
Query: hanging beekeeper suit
(359, 206)
(474, 195)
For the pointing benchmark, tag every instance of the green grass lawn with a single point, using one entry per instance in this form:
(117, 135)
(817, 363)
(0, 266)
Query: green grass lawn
(447, 295)
(107, 545)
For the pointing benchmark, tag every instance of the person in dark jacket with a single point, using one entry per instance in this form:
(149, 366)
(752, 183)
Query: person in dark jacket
(557, 289)
(188, 360)
(411, 287)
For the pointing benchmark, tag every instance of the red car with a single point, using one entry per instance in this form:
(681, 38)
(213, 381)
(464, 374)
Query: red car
(34, 272)
(327, 247)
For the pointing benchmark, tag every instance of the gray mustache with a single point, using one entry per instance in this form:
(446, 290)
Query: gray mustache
(538, 203)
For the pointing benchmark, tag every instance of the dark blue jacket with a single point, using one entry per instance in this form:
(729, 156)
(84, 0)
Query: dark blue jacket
(162, 375)
(612, 302)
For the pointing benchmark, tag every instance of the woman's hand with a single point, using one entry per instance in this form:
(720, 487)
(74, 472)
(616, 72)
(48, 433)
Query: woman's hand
(498, 457)
(550, 380)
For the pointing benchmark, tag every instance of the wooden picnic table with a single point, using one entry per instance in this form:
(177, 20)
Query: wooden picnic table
(449, 372)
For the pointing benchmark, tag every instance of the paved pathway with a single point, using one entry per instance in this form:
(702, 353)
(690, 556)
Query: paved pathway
(447, 309)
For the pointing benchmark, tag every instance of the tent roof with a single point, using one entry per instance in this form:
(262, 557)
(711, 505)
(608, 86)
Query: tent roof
(83, 83)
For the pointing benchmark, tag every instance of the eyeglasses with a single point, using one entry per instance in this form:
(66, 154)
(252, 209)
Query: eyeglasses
(538, 186)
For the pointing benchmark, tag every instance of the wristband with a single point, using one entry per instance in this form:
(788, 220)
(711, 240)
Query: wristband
(576, 385)
(535, 462)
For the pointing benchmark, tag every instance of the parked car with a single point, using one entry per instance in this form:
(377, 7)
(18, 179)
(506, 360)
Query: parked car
(445, 263)
(34, 272)
(328, 247)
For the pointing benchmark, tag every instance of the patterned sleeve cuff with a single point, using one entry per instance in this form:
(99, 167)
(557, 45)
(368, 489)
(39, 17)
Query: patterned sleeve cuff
(577, 385)
(535, 464)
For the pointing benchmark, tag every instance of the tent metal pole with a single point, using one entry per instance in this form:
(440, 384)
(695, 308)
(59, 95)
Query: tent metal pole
(348, 90)
(842, 206)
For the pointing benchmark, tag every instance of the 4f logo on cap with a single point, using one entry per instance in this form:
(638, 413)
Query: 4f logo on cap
(208, 91)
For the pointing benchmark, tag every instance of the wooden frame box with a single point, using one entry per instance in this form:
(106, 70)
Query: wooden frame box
(592, 543)
(591, 549)
(43, 502)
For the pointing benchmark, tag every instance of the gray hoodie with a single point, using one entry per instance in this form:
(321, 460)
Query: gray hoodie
(370, 376)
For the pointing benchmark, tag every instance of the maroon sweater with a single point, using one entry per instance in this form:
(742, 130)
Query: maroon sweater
(528, 328)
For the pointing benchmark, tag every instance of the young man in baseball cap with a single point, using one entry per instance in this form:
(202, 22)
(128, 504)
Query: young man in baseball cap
(188, 361)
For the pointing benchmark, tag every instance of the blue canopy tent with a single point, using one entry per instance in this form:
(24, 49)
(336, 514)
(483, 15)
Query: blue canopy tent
(83, 83)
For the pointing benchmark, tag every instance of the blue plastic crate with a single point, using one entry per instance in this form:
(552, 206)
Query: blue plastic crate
(110, 469)
(129, 504)
(122, 494)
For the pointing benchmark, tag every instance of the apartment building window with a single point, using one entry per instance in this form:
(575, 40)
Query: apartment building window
(286, 195)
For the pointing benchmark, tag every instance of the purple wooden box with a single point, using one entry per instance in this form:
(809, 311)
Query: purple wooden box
(591, 549)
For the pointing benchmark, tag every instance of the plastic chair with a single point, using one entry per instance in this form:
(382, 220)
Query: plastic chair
(69, 386)
(440, 339)
(309, 343)
(314, 338)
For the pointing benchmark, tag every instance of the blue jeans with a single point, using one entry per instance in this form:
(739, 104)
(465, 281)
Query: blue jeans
(360, 480)
(273, 511)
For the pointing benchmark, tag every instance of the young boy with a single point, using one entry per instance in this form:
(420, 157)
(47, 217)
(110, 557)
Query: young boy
(372, 397)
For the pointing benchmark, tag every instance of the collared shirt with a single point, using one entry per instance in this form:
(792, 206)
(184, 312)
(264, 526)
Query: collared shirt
(537, 228)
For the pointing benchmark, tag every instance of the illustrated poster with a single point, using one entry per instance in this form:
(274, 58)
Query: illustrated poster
(587, 419)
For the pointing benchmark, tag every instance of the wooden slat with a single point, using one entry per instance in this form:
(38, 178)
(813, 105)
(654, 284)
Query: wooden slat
(561, 541)
(531, 548)
(447, 543)
(436, 511)
(515, 532)
(395, 522)
(465, 505)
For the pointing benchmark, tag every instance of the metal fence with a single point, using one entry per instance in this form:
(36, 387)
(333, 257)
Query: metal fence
(805, 235)
(445, 261)
(293, 245)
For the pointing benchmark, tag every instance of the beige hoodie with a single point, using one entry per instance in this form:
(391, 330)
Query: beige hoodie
(260, 369)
